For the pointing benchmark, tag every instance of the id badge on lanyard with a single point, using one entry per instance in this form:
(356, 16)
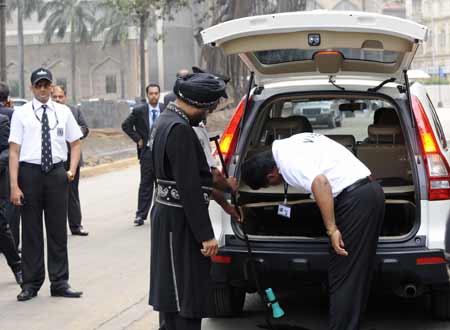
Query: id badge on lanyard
(284, 209)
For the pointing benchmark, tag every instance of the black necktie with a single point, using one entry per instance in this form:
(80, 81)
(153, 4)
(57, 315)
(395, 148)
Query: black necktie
(154, 116)
(46, 143)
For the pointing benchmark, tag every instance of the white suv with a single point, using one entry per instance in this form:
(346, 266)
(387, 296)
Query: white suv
(359, 61)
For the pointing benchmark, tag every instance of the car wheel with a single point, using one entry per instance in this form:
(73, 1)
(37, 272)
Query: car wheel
(339, 123)
(226, 301)
(440, 304)
(331, 123)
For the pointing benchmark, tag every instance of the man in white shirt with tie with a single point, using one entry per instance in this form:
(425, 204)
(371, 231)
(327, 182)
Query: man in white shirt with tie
(39, 184)
(138, 126)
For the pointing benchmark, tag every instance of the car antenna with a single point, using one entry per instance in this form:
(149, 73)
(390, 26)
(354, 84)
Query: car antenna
(333, 82)
(376, 88)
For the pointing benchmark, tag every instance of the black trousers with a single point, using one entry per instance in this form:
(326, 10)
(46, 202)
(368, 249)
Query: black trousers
(74, 207)
(173, 321)
(145, 186)
(7, 244)
(359, 217)
(45, 194)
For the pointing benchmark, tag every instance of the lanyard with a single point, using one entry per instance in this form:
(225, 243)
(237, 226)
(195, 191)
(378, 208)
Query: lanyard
(286, 187)
(40, 120)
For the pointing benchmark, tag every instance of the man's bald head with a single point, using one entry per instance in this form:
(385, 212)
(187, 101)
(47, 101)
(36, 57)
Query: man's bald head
(59, 94)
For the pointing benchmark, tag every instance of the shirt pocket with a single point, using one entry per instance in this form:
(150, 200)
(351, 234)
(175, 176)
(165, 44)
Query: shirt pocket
(59, 133)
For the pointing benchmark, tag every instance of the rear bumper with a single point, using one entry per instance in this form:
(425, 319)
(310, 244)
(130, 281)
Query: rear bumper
(292, 267)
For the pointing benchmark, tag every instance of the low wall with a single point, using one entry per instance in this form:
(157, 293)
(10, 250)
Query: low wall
(104, 114)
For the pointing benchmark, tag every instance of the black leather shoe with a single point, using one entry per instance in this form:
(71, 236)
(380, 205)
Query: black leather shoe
(26, 294)
(66, 293)
(79, 232)
(138, 221)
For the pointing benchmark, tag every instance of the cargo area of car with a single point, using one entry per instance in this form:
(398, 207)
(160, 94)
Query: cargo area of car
(374, 135)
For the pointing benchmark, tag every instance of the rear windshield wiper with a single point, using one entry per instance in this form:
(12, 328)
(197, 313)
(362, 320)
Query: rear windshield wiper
(333, 82)
(375, 89)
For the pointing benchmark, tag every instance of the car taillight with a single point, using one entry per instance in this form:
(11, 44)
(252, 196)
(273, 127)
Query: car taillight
(229, 138)
(221, 259)
(430, 261)
(437, 167)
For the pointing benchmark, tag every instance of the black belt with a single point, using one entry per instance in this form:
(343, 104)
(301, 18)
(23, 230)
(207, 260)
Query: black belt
(30, 165)
(353, 186)
(168, 194)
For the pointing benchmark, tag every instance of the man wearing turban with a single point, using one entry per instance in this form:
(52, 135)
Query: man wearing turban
(182, 237)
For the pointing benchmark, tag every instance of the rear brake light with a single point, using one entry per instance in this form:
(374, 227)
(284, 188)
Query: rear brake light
(436, 164)
(430, 261)
(221, 259)
(329, 52)
(229, 138)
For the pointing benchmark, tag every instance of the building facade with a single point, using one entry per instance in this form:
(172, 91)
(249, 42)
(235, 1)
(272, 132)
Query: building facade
(109, 72)
(434, 56)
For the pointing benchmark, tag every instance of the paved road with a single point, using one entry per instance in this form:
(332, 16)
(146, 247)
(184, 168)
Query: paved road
(111, 266)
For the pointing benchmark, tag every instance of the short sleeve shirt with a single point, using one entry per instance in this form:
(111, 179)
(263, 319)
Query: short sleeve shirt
(26, 130)
(202, 135)
(302, 157)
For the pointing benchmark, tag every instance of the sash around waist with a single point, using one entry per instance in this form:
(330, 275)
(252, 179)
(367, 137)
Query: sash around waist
(168, 194)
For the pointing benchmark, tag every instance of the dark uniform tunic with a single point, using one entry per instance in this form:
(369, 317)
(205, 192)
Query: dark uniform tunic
(179, 274)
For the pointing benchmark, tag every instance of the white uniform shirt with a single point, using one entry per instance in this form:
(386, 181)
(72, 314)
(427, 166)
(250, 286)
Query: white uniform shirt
(202, 135)
(302, 157)
(26, 130)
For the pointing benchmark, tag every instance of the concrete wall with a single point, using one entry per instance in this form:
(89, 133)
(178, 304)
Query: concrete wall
(94, 63)
(104, 114)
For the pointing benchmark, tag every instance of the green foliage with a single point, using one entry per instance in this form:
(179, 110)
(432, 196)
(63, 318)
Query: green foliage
(61, 15)
(112, 23)
(28, 7)
(137, 9)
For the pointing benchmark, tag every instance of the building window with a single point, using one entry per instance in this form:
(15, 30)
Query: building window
(111, 84)
(62, 82)
(345, 5)
(442, 41)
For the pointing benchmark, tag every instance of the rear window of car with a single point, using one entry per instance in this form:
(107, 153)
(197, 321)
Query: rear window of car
(437, 124)
(278, 56)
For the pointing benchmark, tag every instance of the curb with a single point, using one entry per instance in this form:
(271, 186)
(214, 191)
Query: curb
(86, 172)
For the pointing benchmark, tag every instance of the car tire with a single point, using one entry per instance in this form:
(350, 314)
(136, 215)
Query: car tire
(339, 124)
(440, 304)
(331, 123)
(226, 301)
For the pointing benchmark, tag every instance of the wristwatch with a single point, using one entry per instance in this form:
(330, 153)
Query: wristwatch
(332, 231)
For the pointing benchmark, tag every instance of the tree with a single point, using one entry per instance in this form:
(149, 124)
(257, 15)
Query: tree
(2, 40)
(25, 8)
(143, 14)
(219, 11)
(75, 16)
(114, 26)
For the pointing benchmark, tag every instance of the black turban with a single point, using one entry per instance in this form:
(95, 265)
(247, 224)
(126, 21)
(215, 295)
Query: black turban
(201, 90)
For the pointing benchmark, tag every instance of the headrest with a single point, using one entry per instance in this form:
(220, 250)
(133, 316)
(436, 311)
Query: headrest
(298, 124)
(385, 134)
(346, 140)
(385, 116)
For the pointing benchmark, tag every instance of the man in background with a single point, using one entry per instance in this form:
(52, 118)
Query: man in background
(12, 213)
(7, 244)
(138, 126)
(74, 207)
